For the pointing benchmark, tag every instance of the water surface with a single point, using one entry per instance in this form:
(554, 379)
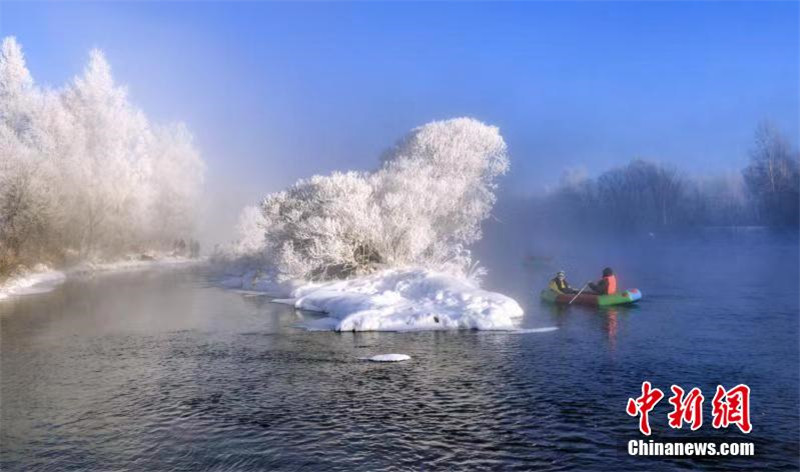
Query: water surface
(161, 371)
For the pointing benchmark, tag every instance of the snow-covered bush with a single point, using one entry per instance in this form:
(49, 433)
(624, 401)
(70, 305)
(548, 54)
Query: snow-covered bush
(323, 227)
(81, 169)
(423, 207)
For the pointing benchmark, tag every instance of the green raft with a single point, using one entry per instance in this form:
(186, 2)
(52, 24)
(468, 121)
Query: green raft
(629, 296)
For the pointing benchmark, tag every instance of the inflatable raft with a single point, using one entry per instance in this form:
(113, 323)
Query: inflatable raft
(632, 295)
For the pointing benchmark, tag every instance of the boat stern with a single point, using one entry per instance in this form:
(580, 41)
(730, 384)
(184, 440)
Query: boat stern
(633, 294)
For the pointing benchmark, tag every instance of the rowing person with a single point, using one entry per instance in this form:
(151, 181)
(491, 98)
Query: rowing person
(559, 284)
(605, 286)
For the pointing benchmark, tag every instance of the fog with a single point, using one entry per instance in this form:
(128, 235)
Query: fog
(648, 201)
(87, 175)
(275, 92)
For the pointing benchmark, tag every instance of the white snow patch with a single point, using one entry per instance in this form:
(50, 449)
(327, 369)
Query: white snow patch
(407, 300)
(41, 279)
(389, 358)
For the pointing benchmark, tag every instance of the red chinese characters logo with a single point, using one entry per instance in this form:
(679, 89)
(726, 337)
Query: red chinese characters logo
(732, 407)
(688, 409)
(643, 405)
(728, 407)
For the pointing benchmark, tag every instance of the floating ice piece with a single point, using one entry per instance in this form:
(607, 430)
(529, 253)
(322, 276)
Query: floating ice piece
(389, 358)
(546, 329)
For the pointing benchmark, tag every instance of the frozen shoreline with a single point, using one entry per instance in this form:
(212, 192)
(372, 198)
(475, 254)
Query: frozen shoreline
(410, 299)
(42, 279)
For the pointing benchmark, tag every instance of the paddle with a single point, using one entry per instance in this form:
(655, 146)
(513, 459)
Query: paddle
(576, 295)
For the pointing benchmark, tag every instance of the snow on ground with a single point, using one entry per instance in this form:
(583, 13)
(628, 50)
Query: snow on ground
(43, 279)
(406, 300)
(39, 280)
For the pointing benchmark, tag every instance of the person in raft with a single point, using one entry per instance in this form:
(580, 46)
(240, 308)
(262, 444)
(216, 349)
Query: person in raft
(559, 283)
(605, 286)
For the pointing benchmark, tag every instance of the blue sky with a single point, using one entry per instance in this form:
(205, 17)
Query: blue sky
(278, 91)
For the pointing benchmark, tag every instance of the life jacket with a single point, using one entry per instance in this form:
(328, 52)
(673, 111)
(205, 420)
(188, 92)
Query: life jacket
(611, 280)
(555, 286)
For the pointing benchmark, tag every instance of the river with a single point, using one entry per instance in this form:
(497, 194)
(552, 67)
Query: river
(161, 370)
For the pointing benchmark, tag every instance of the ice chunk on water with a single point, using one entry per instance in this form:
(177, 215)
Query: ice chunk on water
(546, 329)
(389, 358)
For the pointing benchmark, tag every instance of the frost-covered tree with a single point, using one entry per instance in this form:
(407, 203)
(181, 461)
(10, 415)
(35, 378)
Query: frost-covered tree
(25, 200)
(423, 207)
(323, 227)
(250, 231)
(83, 171)
(115, 139)
(719, 200)
(773, 177)
(17, 93)
(176, 178)
(642, 194)
(435, 188)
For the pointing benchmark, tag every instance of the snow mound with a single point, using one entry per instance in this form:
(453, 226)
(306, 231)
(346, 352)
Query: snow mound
(42, 279)
(407, 300)
(389, 358)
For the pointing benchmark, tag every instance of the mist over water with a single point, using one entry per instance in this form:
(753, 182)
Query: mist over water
(161, 370)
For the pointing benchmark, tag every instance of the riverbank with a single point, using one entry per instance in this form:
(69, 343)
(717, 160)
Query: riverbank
(43, 278)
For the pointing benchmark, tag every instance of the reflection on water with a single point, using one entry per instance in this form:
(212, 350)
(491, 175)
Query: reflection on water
(612, 327)
(159, 371)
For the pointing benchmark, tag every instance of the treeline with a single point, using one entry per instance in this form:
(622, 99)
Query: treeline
(649, 196)
(83, 173)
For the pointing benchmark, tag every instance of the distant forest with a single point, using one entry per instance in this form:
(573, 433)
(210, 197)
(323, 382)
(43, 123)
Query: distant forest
(650, 196)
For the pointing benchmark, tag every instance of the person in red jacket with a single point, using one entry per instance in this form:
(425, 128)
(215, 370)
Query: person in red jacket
(607, 285)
